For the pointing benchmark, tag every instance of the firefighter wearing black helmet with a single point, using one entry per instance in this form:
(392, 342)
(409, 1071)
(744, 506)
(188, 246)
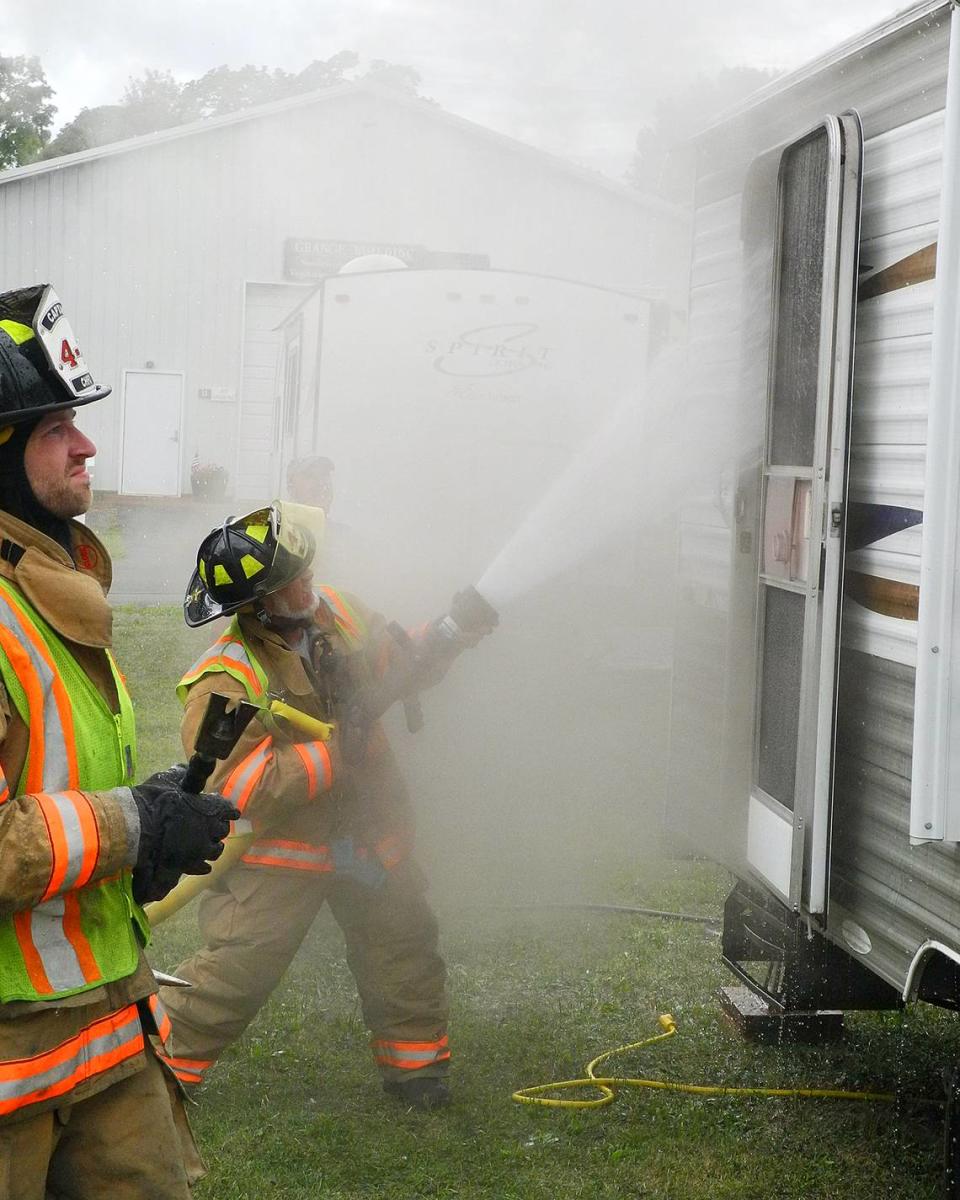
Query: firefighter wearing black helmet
(85, 1107)
(330, 820)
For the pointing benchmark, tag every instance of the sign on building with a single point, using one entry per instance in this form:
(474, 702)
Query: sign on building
(307, 260)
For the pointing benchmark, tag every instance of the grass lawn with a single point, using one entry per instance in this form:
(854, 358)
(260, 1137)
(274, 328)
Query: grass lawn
(294, 1109)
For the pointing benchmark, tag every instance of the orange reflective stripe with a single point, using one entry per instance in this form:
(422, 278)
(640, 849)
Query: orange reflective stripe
(410, 1056)
(197, 1064)
(90, 832)
(160, 1017)
(247, 773)
(314, 755)
(342, 615)
(217, 661)
(74, 840)
(296, 856)
(4, 788)
(31, 684)
(23, 667)
(36, 972)
(59, 847)
(309, 767)
(101, 1045)
(390, 851)
(268, 860)
(187, 1070)
(73, 931)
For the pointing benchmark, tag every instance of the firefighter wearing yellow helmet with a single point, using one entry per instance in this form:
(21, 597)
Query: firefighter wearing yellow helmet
(85, 1106)
(330, 820)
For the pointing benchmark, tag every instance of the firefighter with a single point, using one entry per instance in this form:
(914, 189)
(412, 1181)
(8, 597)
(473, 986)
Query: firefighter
(310, 481)
(86, 1110)
(331, 821)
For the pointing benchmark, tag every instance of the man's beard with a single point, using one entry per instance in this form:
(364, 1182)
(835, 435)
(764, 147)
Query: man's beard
(280, 608)
(63, 500)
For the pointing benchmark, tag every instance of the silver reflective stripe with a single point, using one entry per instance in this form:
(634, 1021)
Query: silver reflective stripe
(253, 765)
(232, 650)
(288, 853)
(72, 831)
(390, 1051)
(55, 764)
(82, 1062)
(235, 651)
(57, 955)
(319, 762)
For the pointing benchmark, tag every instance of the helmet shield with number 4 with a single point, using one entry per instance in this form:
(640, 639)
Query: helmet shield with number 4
(249, 557)
(41, 367)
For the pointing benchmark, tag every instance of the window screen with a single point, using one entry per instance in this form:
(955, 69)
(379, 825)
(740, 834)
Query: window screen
(803, 201)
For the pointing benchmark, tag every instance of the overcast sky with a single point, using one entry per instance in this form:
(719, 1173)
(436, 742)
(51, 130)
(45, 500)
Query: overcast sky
(576, 77)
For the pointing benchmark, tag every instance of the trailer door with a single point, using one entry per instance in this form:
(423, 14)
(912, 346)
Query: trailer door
(802, 497)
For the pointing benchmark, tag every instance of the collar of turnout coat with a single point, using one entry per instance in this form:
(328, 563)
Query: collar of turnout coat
(71, 596)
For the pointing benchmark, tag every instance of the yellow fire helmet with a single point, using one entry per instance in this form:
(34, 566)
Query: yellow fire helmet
(41, 367)
(247, 558)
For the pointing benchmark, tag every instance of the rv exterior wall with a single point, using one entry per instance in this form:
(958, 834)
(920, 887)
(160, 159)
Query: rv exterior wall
(899, 894)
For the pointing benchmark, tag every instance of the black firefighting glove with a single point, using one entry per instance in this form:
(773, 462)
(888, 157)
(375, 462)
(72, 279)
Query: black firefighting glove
(180, 833)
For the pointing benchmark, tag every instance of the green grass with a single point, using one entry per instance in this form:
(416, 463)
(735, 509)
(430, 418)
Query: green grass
(294, 1109)
(105, 524)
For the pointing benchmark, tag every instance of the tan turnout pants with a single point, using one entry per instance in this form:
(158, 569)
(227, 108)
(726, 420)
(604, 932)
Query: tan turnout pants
(253, 922)
(128, 1142)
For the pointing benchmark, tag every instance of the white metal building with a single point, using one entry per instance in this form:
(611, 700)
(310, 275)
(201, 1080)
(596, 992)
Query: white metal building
(179, 253)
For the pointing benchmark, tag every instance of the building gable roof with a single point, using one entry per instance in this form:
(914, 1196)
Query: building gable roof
(330, 95)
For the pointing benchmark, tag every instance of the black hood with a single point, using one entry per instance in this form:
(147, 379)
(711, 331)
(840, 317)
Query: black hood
(17, 496)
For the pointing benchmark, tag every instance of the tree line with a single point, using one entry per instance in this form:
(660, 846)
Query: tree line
(158, 101)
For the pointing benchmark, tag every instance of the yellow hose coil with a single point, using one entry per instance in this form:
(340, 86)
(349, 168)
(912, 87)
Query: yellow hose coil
(607, 1087)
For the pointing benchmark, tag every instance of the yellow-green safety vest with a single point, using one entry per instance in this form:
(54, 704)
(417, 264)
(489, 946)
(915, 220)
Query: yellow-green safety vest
(81, 934)
(231, 652)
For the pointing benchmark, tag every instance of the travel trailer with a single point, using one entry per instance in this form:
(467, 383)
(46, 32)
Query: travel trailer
(815, 729)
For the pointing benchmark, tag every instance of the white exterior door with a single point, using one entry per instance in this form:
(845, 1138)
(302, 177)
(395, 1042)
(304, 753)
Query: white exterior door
(261, 415)
(152, 420)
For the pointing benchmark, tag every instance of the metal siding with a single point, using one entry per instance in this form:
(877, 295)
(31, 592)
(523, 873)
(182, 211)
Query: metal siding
(898, 893)
(901, 894)
(150, 246)
(894, 891)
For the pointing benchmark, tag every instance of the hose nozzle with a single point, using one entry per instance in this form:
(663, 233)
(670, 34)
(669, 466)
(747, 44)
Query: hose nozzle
(470, 616)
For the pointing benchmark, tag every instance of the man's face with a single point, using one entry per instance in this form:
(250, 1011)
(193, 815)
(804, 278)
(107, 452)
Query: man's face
(297, 600)
(55, 463)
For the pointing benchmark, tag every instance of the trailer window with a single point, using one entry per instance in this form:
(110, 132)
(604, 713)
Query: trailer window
(780, 694)
(799, 301)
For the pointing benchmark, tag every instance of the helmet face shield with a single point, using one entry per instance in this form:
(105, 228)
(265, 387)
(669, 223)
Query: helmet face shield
(248, 558)
(295, 520)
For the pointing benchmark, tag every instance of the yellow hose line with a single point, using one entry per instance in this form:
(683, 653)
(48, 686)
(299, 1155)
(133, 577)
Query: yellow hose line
(607, 1087)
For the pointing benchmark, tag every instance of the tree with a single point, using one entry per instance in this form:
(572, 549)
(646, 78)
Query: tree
(325, 72)
(152, 102)
(225, 89)
(658, 166)
(149, 103)
(26, 114)
(404, 79)
(157, 101)
(90, 127)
